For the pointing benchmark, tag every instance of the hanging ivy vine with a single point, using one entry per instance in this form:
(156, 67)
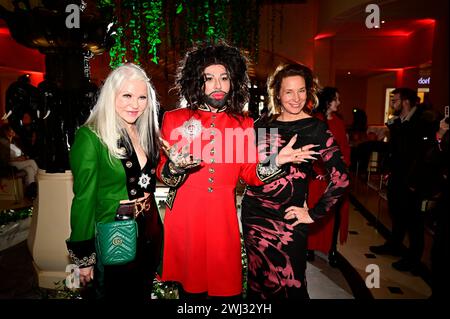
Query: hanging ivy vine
(142, 26)
(153, 23)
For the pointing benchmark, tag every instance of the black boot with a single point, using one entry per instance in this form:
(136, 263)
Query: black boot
(386, 249)
(333, 254)
(333, 258)
(31, 191)
(310, 256)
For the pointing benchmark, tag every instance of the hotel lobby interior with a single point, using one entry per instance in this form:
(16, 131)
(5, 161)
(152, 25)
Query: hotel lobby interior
(339, 40)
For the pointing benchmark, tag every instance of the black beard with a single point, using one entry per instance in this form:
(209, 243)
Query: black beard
(217, 104)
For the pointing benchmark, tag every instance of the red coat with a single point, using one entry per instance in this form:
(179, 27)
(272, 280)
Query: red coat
(202, 247)
(320, 233)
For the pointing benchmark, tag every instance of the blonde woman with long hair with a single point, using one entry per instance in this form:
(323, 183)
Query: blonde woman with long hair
(113, 162)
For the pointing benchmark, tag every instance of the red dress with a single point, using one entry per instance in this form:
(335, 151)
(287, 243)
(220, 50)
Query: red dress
(320, 233)
(202, 246)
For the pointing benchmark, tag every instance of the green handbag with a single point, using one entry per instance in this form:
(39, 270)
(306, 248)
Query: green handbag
(116, 241)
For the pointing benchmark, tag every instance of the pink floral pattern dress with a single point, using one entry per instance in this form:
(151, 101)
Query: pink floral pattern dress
(276, 251)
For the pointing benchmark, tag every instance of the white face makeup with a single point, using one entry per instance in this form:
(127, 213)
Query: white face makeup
(131, 100)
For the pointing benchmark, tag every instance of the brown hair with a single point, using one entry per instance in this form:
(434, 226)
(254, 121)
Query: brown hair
(284, 71)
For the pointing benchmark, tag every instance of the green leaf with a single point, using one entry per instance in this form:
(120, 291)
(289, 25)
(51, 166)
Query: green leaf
(179, 8)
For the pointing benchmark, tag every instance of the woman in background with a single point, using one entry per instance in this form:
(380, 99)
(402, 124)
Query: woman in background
(323, 234)
(20, 160)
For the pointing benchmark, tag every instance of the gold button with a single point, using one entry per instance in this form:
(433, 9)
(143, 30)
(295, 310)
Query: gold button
(212, 151)
(210, 189)
(133, 192)
(213, 117)
(211, 170)
(128, 164)
(212, 141)
(213, 125)
(211, 180)
(212, 160)
(213, 132)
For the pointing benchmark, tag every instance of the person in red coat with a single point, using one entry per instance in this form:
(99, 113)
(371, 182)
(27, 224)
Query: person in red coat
(209, 147)
(323, 234)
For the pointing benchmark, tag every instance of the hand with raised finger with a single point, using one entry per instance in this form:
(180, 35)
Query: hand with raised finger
(185, 160)
(287, 153)
(305, 153)
(299, 213)
(86, 275)
(299, 155)
(443, 127)
(169, 150)
(182, 159)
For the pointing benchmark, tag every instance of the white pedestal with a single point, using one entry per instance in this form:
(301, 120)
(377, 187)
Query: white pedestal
(50, 227)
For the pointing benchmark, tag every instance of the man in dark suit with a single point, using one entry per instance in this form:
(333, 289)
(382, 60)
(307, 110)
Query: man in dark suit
(406, 134)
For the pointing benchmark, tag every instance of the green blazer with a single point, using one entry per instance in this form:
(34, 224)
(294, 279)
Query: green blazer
(99, 185)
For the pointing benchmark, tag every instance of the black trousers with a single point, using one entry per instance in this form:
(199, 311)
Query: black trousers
(407, 218)
(440, 251)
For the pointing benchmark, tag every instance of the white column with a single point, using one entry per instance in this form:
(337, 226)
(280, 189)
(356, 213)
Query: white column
(50, 227)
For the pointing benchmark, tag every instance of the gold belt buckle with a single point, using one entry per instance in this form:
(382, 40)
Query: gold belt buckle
(139, 207)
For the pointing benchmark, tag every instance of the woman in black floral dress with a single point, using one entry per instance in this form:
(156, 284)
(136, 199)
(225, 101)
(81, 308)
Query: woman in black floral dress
(275, 215)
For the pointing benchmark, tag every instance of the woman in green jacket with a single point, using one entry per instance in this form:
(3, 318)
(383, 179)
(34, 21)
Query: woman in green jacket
(113, 161)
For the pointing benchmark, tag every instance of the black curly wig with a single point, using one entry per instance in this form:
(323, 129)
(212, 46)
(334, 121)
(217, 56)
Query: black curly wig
(190, 76)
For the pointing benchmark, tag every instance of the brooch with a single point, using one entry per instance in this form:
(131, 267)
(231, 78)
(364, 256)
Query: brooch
(144, 180)
(191, 129)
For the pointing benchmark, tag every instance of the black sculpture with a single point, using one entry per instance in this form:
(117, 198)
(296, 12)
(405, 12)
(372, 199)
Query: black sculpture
(62, 102)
